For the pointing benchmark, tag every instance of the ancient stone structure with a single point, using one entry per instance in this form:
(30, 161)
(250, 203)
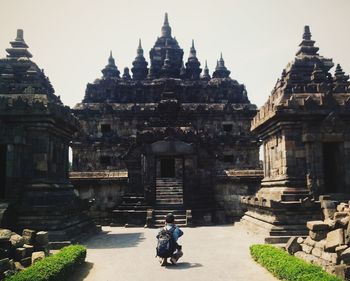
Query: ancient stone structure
(304, 127)
(165, 139)
(20, 251)
(328, 240)
(35, 131)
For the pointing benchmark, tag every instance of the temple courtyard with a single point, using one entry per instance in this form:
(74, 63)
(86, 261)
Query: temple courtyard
(210, 253)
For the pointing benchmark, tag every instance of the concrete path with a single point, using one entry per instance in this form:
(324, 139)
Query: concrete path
(210, 254)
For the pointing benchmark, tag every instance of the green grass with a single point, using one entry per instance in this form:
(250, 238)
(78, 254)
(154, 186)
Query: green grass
(287, 267)
(57, 267)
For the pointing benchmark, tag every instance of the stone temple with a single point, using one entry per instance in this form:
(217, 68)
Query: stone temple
(168, 136)
(305, 130)
(35, 131)
(165, 137)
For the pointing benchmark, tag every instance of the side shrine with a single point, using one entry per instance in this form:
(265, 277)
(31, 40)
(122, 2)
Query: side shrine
(35, 131)
(165, 139)
(305, 130)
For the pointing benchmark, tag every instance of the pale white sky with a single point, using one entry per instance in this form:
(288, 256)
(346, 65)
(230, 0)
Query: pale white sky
(71, 39)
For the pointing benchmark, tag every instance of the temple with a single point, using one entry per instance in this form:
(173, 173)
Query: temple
(165, 139)
(304, 127)
(35, 131)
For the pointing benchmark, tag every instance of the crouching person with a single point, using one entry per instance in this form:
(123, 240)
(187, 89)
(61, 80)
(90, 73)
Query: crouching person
(167, 246)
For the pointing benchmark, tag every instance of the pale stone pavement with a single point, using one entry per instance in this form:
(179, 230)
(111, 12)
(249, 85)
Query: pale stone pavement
(217, 253)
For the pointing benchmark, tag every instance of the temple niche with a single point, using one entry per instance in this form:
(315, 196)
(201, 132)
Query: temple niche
(165, 137)
(35, 131)
(304, 127)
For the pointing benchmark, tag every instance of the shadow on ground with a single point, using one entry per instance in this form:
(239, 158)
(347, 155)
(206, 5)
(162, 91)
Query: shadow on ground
(81, 272)
(184, 265)
(107, 240)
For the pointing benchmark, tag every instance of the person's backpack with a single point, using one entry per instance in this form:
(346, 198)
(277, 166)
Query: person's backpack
(166, 244)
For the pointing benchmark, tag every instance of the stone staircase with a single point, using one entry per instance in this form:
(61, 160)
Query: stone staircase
(169, 199)
(169, 191)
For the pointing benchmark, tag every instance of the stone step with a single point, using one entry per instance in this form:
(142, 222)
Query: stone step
(169, 201)
(277, 239)
(177, 217)
(169, 196)
(164, 212)
(162, 188)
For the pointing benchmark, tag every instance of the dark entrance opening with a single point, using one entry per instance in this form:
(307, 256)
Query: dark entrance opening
(333, 167)
(3, 152)
(167, 168)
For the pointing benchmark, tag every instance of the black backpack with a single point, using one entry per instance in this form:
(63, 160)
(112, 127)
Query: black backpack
(166, 244)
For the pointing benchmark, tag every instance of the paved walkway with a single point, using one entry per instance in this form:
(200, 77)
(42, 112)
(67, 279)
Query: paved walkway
(218, 253)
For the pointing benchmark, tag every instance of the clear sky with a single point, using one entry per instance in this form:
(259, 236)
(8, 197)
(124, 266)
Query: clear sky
(71, 39)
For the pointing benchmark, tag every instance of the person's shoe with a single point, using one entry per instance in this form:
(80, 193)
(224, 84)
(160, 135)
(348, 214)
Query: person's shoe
(173, 260)
(163, 261)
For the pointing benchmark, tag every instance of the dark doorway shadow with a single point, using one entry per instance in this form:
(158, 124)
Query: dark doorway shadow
(81, 272)
(106, 240)
(184, 265)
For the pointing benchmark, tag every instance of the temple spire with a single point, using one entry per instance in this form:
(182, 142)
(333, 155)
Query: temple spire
(221, 70)
(307, 46)
(307, 33)
(166, 29)
(139, 69)
(19, 48)
(110, 69)
(193, 69)
(193, 52)
(206, 75)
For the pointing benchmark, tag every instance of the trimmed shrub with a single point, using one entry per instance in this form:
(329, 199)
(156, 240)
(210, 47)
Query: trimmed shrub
(287, 267)
(53, 268)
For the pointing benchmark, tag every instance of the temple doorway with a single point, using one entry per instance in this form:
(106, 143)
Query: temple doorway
(3, 151)
(333, 166)
(167, 168)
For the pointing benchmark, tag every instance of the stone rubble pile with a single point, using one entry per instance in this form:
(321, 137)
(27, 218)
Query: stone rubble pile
(18, 252)
(328, 242)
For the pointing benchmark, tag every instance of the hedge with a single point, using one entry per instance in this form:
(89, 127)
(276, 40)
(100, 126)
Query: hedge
(57, 267)
(287, 267)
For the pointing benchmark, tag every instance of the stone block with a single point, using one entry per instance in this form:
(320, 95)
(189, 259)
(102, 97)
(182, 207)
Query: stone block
(37, 256)
(334, 239)
(308, 241)
(306, 248)
(318, 235)
(347, 235)
(331, 223)
(42, 238)
(328, 213)
(300, 240)
(340, 249)
(317, 252)
(20, 253)
(340, 215)
(4, 265)
(29, 236)
(345, 256)
(29, 250)
(344, 221)
(17, 241)
(320, 244)
(330, 257)
(342, 206)
(338, 270)
(292, 245)
(26, 262)
(317, 225)
(19, 266)
(5, 234)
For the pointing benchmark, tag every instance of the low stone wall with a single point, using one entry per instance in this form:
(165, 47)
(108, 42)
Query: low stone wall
(103, 190)
(328, 242)
(228, 191)
(20, 251)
